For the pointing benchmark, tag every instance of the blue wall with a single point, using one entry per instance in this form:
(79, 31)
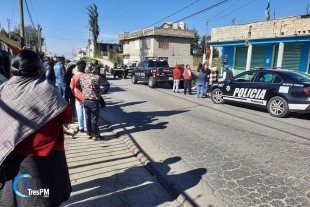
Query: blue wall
(230, 50)
(269, 55)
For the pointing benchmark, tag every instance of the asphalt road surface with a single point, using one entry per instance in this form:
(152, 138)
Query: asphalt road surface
(215, 155)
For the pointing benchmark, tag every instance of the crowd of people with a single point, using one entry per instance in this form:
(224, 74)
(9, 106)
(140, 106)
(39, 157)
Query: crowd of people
(205, 78)
(36, 100)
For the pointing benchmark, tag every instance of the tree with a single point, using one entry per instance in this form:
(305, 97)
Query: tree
(195, 46)
(31, 37)
(93, 24)
(4, 32)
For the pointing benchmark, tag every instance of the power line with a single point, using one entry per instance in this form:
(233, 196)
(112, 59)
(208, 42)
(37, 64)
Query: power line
(13, 10)
(119, 10)
(34, 12)
(114, 9)
(233, 11)
(175, 13)
(206, 9)
(29, 14)
(224, 9)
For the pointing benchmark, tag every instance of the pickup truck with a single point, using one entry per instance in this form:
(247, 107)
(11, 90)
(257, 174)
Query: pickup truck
(124, 70)
(152, 72)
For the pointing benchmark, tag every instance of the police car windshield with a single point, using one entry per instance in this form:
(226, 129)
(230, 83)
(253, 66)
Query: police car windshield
(158, 64)
(300, 77)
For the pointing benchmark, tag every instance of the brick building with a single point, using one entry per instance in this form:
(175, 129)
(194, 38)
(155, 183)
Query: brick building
(281, 43)
(170, 42)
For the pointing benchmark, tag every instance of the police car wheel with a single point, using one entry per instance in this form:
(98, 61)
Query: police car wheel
(133, 79)
(278, 107)
(151, 82)
(217, 96)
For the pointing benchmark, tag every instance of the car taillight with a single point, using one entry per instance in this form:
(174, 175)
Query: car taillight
(307, 90)
(157, 73)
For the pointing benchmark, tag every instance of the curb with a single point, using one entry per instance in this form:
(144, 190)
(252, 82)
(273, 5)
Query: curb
(142, 158)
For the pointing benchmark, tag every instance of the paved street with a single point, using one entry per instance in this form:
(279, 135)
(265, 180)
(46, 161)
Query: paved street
(214, 155)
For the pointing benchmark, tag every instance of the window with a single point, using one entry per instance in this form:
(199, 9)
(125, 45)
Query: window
(299, 77)
(277, 79)
(245, 77)
(147, 43)
(265, 77)
(141, 64)
(163, 58)
(126, 45)
(137, 44)
(163, 43)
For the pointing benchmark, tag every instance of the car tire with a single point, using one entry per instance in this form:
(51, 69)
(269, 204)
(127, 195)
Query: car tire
(278, 107)
(151, 82)
(217, 96)
(133, 79)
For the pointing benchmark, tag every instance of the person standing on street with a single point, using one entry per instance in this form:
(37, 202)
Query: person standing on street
(228, 74)
(200, 84)
(68, 94)
(89, 84)
(79, 100)
(212, 79)
(187, 79)
(49, 72)
(207, 71)
(32, 113)
(60, 72)
(177, 74)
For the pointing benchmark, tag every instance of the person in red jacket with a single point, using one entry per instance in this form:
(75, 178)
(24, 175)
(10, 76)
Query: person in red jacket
(32, 114)
(187, 79)
(177, 74)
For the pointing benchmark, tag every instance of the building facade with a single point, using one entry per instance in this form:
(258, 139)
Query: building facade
(169, 42)
(282, 43)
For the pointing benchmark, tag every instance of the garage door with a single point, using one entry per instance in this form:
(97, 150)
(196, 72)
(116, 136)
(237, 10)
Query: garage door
(291, 57)
(240, 60)
(126, 59)
(258, 57)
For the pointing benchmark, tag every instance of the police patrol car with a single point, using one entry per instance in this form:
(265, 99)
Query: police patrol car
(281, 91)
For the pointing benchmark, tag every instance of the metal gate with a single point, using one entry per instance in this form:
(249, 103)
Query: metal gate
(291, 57)
(258, 57)
(240, 60)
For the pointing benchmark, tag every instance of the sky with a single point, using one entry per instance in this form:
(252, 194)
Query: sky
(65, 22)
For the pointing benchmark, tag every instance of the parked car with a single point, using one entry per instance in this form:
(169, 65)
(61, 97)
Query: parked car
(153, 72)
(280, 91)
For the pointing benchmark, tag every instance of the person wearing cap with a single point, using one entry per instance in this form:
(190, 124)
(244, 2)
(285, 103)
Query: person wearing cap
(91, 86)
(228, 74)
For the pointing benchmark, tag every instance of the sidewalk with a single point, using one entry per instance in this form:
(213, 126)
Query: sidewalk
(105, 173)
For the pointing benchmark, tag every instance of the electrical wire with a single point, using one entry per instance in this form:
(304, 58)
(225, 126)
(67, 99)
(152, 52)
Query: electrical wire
(175, 12)
(224, 10)
(233, 11)
(29, 14)
(106, 19)
(206, 9)
(107, 15)
(34, 12)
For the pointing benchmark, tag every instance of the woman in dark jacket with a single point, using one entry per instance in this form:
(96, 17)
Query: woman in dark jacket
(69, 95)
(32, 157)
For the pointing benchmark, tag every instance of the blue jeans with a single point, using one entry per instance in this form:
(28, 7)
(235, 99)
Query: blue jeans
(61, 89)
(176, 85)
(205, 90)
(79, 107)
(187, 85)
(200, 87)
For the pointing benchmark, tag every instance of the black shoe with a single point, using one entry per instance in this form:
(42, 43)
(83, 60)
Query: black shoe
(82, 130)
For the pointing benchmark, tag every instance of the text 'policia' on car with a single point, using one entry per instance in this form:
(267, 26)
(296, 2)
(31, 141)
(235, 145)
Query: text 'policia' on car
(281, 91)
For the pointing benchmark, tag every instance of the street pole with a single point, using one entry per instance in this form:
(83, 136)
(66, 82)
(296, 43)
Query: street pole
(9, 28)
(39, 38)
(88, 42)
(204, 59)
(21, 24)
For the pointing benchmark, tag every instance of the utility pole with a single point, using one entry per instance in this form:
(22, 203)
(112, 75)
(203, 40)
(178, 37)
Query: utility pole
(307, 8)
(88, 42)
(204, 58)
(45, 49)
(39, 38)
(21, 24)
(274, 14)
(9, 28)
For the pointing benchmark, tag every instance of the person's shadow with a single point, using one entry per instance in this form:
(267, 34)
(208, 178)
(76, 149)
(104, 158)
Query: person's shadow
(135, 187)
